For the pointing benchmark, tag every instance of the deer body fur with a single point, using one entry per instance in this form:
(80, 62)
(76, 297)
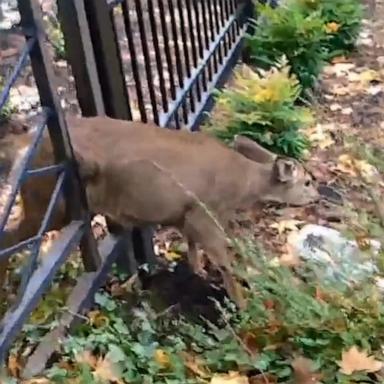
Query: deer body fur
(139, 174)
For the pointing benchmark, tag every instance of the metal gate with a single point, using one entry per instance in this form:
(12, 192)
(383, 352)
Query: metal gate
(148, 60)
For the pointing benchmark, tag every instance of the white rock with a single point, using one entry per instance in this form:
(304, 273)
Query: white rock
(338, 258)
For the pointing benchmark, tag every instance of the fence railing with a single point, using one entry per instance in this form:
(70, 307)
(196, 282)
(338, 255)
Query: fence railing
(148, 60)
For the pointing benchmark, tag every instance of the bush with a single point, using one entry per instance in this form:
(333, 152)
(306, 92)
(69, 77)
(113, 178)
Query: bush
(262, 107)
(288, 31)
(342, 22)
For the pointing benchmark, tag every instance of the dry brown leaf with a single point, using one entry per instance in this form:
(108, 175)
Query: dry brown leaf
(303, 371)
(229, 378)
(86, 357)
(339, 59)
(41, 380)
(14, 366)
(284, 225)
(195, 365)
(106, 370)
(354, 360)
(290, 259)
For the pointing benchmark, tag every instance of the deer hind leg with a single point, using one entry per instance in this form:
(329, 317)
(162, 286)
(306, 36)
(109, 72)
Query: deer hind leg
(200, 227)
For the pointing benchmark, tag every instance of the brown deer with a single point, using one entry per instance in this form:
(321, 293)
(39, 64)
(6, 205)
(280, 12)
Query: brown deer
(139, 174)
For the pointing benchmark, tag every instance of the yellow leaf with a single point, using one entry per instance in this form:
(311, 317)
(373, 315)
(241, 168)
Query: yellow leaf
(354, 360)
(369, 75)
(284, 225)
(172, 256)
(97, 319)
(353, 167)
(229, 378)
(162, 358)
(332, 27)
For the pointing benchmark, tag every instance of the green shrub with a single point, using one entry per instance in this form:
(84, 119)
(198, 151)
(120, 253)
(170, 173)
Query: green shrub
(262, 107)
(291, 32)
(342, 22)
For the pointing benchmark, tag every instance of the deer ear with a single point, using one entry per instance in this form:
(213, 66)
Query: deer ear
(285, 170)
(252, 150)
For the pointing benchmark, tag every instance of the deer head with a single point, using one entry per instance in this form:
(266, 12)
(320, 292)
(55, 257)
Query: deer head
(281, 179)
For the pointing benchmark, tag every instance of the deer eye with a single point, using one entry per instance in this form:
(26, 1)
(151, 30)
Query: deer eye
(307, 183)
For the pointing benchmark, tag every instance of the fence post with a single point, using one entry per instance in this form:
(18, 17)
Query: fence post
(31, 22)
(115, 95)
(79, 52)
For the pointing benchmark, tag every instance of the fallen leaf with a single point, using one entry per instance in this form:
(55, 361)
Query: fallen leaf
(303, 371)
(354, 167)
(229, 378)
(195, 364)
(339, 59)
(354, 360)
(14, 366)
(97, 319)
(369, 76)
(347, 111)
(105, 370)
(162, 358)
(284, 225)
(172, 256)
(331, 27)
(86, 357)
(290, 258)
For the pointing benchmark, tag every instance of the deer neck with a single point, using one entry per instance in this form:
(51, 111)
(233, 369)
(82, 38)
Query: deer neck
(259, 183)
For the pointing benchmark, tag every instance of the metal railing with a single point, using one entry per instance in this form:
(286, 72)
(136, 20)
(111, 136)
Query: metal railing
(147, 60)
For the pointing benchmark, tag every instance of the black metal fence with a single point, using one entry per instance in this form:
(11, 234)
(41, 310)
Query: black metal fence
(148, 60)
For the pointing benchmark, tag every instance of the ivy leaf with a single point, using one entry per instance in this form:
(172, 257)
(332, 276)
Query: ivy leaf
(116, 354)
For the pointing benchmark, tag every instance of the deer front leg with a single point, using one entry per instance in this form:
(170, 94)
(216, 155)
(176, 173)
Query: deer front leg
(200, 227)
(194, 259)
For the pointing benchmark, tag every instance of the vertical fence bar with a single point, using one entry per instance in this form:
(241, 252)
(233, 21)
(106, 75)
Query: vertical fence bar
(199, 31)
(76, 203)
(78, 47)
(194, 43)
(175, 38)
(167, 49)
(179, 64)
(212, 32)
(108, 61)
(180, 8)
(206, 35)
(147, 59)
(158, 58)
(134, 64)
(217, 24)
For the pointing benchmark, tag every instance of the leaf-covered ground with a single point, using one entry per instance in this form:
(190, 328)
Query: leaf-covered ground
(296, 330)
